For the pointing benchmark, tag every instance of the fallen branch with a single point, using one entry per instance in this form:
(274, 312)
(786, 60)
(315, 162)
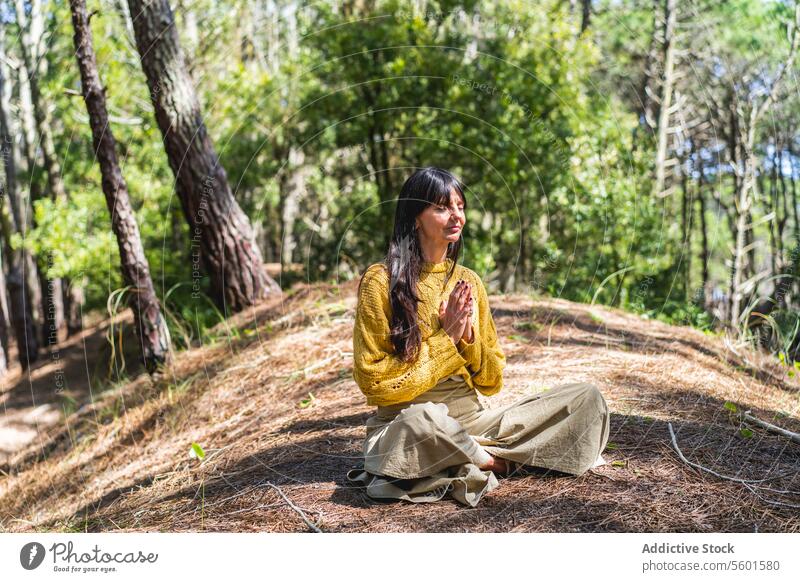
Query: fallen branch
(701, 467)
(771, 501)
(300, 512)
(747, 417)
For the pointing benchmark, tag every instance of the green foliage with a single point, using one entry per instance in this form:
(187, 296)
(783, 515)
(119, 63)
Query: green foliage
(541, 123)
(197, 452)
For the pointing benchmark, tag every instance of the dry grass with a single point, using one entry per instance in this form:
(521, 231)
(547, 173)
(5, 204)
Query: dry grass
(130, 471)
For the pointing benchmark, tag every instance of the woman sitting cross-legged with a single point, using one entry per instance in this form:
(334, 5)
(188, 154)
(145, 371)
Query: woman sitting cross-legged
(424, 345)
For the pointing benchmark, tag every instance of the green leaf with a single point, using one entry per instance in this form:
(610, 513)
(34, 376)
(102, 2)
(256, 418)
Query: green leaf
(746, 432)
(306, 402)
(611, 447)
(520, 338)
(618, 463)
(197, 452)
(729, 406)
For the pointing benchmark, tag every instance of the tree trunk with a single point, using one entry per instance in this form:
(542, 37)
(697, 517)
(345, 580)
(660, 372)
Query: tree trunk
(668, 48)
(19, 310)
(704, 236)
(54, 323)
(294, 186)
(687, 204)
(586, 14)
(30, 269)
(795, 261)
(651, 73)
(228, 249)
(74, 298)
(772, 207)
(795, 199)
(744, 199)
(4, 317)
(148, 321)
(781, 204)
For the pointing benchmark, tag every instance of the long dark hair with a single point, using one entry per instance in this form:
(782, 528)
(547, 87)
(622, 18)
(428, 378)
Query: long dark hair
(404, 260)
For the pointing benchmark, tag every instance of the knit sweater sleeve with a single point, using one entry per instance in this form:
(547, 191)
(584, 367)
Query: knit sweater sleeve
(485, 358)
(380, 374)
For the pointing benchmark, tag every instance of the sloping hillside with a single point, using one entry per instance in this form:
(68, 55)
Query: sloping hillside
(275, 458)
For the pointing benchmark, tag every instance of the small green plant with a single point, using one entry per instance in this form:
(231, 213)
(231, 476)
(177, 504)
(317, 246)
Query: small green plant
(596, 317)
(794, 367)
(114, 333)
(111, 412)
(69, 405)
(197, 452)
(179, 387)
(306, 402)
(192, 317)
(527, 326)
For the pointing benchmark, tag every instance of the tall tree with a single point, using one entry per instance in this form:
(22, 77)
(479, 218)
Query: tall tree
(30, 35)
(665, 98)
(746, 111)
(20, 309)
(149, 323)
(228, 248)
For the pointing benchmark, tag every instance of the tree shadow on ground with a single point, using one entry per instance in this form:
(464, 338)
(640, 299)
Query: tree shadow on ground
(639, 455)
(619, 336)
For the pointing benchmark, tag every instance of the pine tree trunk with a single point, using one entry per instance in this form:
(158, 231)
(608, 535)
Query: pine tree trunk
(228, 249)
(74, 298)
(148, 321)
(686, 228)
(294, 187)
(667, 79)
(19, 308)
(586, 14)
(54, 323)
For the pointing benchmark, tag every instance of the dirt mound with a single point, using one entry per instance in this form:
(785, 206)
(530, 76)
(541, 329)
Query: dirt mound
(280, 420)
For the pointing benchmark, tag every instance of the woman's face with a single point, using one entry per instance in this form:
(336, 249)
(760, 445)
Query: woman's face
(443, 223)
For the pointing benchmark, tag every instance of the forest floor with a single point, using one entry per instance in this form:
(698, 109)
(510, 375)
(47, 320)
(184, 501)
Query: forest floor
(115, 457)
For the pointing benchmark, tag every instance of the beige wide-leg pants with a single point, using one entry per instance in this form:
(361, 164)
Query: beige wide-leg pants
(421, 450)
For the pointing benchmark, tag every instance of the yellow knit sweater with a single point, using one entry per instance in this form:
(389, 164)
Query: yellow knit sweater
(384, 378)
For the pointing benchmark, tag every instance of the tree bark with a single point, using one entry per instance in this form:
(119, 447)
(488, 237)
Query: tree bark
(149, 323)
(704, 236)
(55, 328)
(20, 308)
(586, 14)
(651, 73)
(687, 204)
(227, 247)
(30, 269)
(293, 190)
(668, 48)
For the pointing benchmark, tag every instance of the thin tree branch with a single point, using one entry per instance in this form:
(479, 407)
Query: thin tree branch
(299, 511)
(793, 436)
